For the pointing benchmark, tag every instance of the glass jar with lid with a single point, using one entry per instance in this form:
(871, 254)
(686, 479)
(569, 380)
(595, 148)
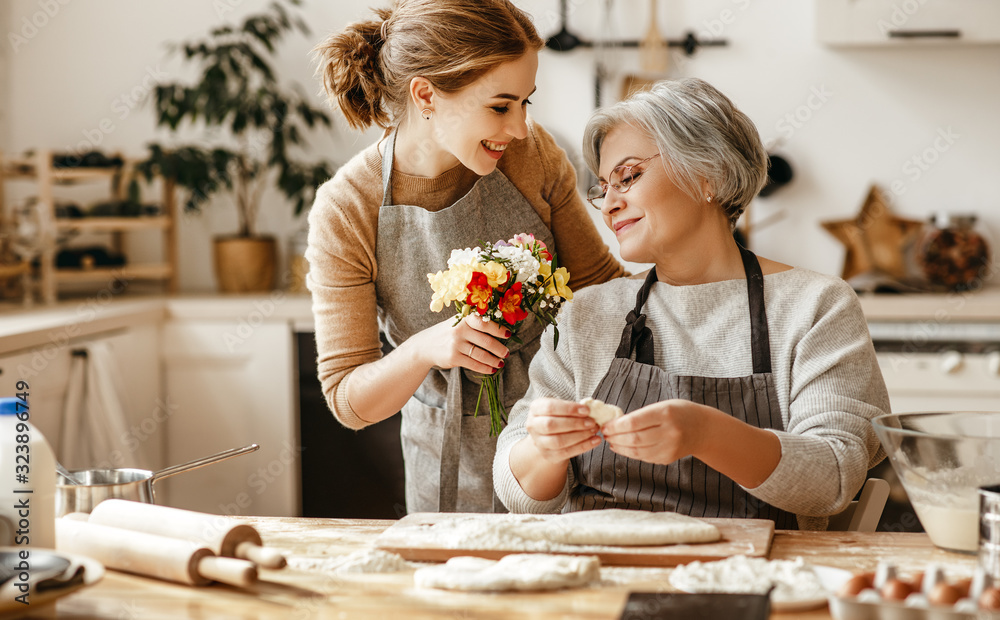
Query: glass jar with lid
(953, 254)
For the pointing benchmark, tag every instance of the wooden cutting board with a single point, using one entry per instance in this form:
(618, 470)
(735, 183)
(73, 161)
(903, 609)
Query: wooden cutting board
(411, 538)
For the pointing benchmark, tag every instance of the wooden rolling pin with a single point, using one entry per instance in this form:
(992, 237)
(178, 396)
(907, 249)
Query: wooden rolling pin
(153, 556)
(224, 536)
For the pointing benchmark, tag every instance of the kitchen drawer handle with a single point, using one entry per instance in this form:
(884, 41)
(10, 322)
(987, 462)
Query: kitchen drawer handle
(925, 34)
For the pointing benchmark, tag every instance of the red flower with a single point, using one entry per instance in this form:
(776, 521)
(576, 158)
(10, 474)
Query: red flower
(480, 292)
(510, 305)
(544, 251)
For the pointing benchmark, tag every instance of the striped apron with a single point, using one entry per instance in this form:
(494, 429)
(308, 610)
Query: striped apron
(687, 486)
(448, 452)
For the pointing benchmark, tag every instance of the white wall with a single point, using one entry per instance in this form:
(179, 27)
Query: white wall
(879, 107)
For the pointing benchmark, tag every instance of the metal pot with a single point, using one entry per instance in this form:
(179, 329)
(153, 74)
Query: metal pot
(98, 485)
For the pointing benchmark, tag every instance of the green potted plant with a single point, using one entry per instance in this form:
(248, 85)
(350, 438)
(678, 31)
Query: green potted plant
(258, 122)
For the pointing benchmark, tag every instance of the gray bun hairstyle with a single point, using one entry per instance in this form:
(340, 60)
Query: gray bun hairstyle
(701, 136)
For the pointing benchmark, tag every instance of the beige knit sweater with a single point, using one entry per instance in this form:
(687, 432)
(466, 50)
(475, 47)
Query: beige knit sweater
(343, 224)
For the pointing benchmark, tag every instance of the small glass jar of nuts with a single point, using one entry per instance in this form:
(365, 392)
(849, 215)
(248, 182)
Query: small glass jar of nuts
(953, 254)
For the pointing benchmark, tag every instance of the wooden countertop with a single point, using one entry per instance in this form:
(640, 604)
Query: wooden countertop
(307, 595)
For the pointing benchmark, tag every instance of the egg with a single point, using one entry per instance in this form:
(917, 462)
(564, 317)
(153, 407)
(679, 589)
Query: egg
(896, 590)
(990, 599)
(855, 584)
(963, 586)
(944, 594)
(917, 581)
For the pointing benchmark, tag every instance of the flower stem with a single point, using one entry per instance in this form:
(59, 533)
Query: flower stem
(498, 415)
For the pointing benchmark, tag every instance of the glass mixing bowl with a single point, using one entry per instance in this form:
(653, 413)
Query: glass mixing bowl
(942, 459)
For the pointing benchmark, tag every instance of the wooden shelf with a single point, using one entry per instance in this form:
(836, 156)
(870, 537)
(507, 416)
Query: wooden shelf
(9, 271)
(97, 224)
(154, 271)
(39, 169)
(28, 170)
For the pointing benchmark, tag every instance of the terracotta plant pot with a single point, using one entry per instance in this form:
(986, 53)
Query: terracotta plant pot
(245, 264)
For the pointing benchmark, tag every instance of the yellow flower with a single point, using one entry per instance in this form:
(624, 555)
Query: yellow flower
(545, 270)
(449, 286)
(496, 274)
(557, 285)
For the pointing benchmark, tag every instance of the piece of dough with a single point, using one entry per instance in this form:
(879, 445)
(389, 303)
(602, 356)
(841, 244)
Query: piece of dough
(602, 412)
(793, 581)
(520, 571)
(615, 526)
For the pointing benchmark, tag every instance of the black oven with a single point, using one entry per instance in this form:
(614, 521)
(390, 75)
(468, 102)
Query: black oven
(345, 473)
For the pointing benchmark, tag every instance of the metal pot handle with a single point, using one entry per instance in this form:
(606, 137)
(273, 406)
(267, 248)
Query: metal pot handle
(208, 460)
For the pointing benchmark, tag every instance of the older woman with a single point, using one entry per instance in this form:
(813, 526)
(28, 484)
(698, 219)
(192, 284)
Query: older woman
(747, 385)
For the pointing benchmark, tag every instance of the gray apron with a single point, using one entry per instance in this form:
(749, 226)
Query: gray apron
(687, 486)
(448, 453)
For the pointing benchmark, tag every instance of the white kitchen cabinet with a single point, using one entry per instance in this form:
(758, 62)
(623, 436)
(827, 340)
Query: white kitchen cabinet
(231, 383)
(135, 350)
(907, 22)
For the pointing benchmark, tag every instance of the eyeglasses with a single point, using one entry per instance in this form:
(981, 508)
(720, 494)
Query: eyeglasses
(621, 179)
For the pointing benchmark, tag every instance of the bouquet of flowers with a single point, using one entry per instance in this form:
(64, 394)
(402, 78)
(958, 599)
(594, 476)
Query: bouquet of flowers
(502, 282)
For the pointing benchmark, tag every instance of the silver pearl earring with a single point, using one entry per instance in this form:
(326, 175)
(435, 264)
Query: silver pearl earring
(427, 113)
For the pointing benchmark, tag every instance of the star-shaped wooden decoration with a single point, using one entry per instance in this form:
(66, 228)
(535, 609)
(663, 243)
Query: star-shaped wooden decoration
(876, 239)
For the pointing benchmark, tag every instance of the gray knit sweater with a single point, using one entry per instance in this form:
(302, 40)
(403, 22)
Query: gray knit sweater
(828, 381)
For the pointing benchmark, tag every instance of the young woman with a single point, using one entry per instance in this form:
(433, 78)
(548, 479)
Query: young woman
(460, 161)
(753, 383)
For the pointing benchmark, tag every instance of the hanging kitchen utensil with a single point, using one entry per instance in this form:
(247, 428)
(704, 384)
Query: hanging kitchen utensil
(97, 485)
(604, 47)
(653, 51)
(564, 40)
(779, 174)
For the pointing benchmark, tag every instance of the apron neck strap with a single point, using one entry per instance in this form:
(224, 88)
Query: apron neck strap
(636, 335)
(639, 338)
(387, 158)
(760, 342)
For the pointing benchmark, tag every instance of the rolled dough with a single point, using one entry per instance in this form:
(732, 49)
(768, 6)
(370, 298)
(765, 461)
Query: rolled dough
(521, 571)
(602, 412)
(615, 526)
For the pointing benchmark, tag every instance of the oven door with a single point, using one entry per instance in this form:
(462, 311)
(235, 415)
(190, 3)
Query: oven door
(947, 379)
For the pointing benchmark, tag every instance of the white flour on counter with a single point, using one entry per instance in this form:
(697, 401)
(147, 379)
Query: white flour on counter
(793, 579)
(364, 561)
(628, 575)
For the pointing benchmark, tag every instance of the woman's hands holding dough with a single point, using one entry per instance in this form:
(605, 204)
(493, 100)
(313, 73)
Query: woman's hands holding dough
(669, 430)
(660, 433)
(561, 429)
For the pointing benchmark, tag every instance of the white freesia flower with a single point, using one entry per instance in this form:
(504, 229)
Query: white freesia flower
(468, 256)
(521, 262)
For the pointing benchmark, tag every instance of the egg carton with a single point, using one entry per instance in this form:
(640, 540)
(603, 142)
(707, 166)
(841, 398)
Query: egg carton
(870, 605)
